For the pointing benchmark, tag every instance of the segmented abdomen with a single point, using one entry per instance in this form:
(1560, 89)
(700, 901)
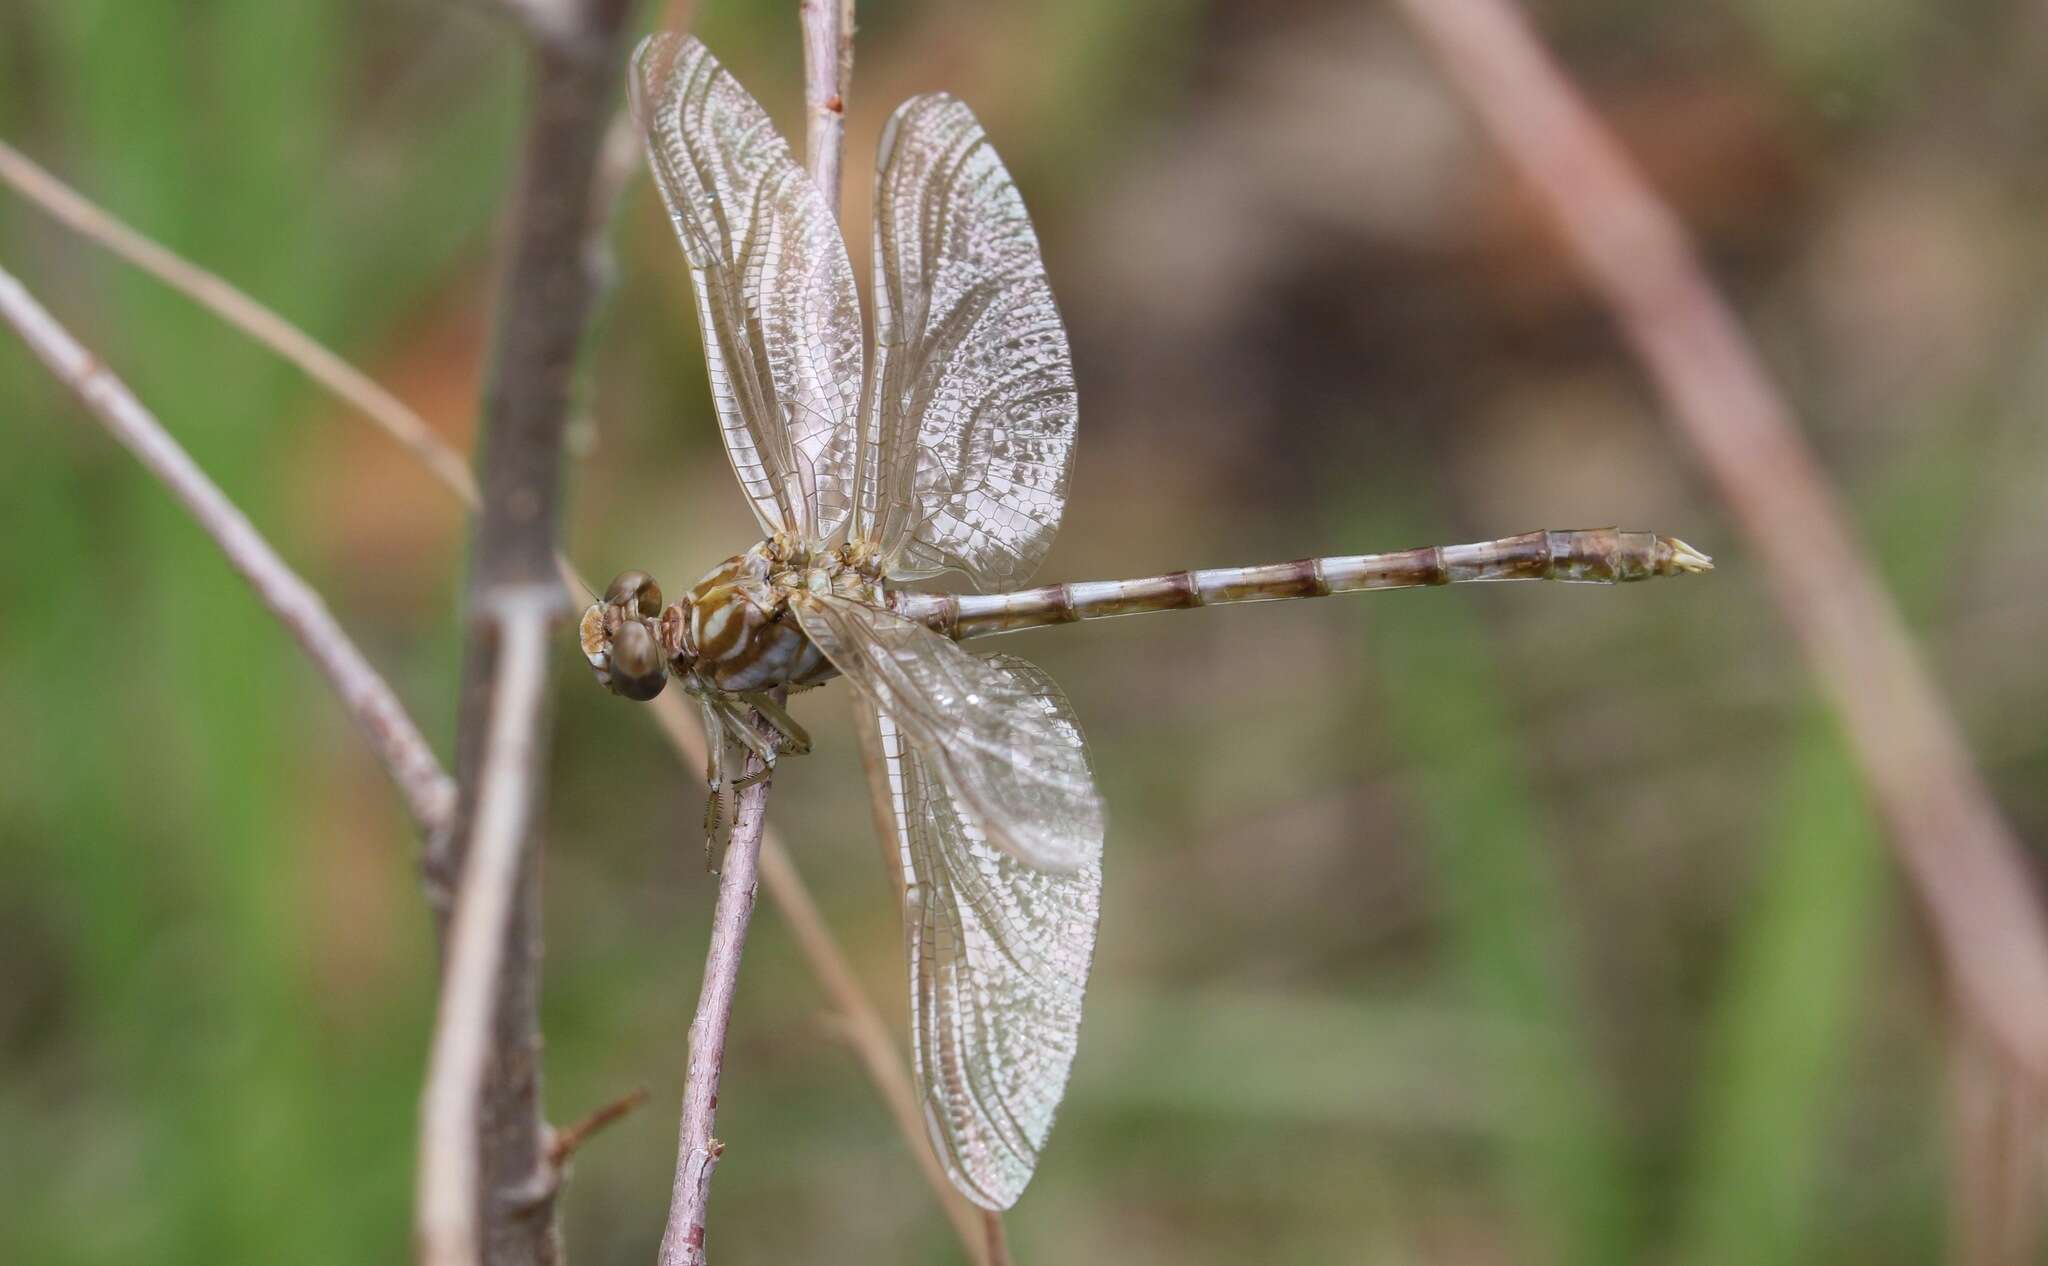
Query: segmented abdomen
(1594, 556)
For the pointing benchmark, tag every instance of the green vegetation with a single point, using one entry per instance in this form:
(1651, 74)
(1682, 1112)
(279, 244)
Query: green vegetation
(1527, 924)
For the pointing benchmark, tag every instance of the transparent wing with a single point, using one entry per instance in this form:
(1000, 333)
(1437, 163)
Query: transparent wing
(984, 731)
(970, 415)
(775, 296)
(999, 956)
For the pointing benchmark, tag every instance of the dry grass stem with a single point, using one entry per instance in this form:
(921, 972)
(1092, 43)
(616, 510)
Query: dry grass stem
(1950, 838)
(863, 1029)
(828, 66)
(1995, 1155)
(996, 1246)
(866, 1031)
(428, 792)
(239, 310)
(828, 63)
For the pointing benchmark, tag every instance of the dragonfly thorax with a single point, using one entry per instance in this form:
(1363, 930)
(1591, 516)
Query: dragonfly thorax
(733, 633)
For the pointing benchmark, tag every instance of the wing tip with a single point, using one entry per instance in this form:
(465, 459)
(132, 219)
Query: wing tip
(661, 51)
(994, 1197)
(910, 113)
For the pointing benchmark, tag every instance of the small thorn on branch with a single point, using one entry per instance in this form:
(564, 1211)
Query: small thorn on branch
(563, 1144)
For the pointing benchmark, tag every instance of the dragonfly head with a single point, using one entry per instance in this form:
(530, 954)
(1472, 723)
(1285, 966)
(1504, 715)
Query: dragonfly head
(631, 640)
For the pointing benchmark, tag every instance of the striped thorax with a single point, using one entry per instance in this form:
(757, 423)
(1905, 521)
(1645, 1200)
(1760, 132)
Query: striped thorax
(733, 633)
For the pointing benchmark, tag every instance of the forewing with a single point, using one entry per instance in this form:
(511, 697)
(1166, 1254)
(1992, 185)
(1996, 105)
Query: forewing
(984, 731)
(999, 956)
(971, 411)
(775, 296)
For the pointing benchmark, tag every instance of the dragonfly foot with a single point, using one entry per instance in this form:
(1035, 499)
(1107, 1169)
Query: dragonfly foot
(714, 816)
(790, 739)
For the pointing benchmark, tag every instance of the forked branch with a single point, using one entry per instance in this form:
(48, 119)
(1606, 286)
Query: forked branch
(859, 1020)
(506, 1187)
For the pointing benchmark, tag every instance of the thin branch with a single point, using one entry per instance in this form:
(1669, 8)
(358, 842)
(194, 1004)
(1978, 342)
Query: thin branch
(858, 1019)
(428, 792)
(1995, 1158)
(544, 302)
(828, 66)
(242, 312)
(861, 1020)
(1949, 836)
(565, 1143)
(450, 1194)
(828, 69)
(697, 1152)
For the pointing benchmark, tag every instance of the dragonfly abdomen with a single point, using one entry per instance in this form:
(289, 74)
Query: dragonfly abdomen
(1590, 556)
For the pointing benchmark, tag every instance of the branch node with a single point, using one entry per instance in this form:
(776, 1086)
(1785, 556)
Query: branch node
(534, 1194)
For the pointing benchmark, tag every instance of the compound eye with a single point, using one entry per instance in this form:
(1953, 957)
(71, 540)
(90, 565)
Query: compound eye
(637, 671)
(636, 590)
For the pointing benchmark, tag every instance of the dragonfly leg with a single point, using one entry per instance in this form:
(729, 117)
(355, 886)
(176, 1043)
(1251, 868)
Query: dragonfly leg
(725, 720)
(714, 817)
(752, 739)
(796, 741)
(714, 747)
(714, 778)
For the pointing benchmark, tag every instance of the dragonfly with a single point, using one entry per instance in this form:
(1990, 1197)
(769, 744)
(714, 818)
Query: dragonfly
(943, 445)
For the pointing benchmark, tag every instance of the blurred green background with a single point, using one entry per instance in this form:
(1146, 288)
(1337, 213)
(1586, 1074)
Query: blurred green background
(1508, 924)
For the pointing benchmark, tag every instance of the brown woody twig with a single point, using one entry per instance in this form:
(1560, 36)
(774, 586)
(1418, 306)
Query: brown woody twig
(428, 792)
(565, 1143)
(697, 1152)
(857, 1019)
(828, 67)
(828, 70)
(449, 1200)
(545, 297)
(860, 1020)
(828, 31)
